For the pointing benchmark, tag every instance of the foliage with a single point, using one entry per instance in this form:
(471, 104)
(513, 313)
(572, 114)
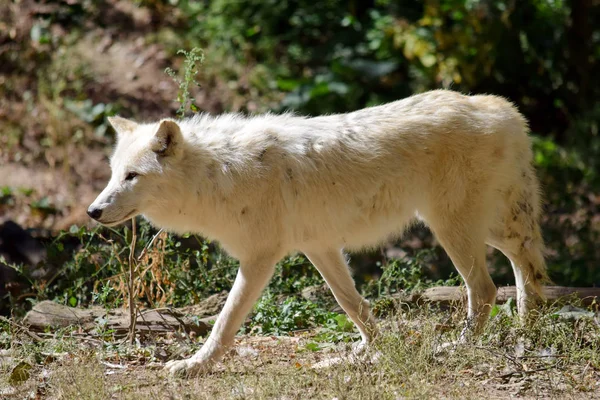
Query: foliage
(334, 56)
(192, 58)
(571, 227)
(293, 314)
(408, 274)
(175, 271)
(293, 274)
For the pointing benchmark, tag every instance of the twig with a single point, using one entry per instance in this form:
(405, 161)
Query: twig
(132, 306)
(525, 372)
(155, 309)
(150, 243)
(177, 318)
(23, 328)
(144, 319)
(542, 356)
(114, 366)
(509, 358)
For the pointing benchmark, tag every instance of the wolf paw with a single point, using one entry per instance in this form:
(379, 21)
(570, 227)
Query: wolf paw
(446, 348)
(365, 352)
(451, 347)
(185, 368)
(177, 367)
(360, 348)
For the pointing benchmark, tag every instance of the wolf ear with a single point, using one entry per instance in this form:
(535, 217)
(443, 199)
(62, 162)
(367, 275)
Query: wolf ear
(167, 139)
(122, 125)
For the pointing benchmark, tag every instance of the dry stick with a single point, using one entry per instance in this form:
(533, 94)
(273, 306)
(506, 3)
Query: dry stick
(145, 250)
(143, 319)
(173, 314)
(132, 307)
(29, 333)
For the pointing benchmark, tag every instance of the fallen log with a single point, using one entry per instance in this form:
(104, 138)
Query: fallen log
(48, 315)
(448, 294)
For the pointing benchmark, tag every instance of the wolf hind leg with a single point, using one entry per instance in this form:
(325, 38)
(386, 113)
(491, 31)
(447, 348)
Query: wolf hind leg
(461, 235)
(518, 237)
(530, 271)
(333, 267)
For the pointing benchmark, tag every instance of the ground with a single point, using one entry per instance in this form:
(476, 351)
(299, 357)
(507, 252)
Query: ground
(553, 357)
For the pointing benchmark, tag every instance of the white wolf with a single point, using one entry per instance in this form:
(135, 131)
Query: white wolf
(268, 185)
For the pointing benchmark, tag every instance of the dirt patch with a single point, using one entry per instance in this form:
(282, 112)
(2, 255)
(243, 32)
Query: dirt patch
(54, 140)
(65, 195)
(130, 72)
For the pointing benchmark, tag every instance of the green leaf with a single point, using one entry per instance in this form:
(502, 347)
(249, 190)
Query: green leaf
(495, 311)
(319, 89)
(43, 205)
(6, 191)
(344, 324)
(40, 34)
(26, 191)
(573, 313)
(288, 84)
(509, 307)
(20, 373)
(312, 346)
(72, 301)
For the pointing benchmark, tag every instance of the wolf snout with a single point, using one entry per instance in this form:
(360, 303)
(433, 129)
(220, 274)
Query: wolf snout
(94, 212)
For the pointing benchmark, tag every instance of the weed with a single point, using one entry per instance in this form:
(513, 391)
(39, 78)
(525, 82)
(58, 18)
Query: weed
(108, 297)
(293, 274)
(293, 314)
(193, 58)
(406, 274)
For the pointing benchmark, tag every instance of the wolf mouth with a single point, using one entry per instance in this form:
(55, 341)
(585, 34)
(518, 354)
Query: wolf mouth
(119, 221)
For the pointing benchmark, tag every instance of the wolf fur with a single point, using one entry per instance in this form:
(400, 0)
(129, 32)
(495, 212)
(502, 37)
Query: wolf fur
(268, 185)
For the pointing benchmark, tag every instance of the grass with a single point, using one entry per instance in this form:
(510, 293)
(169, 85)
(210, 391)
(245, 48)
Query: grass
(554, 356)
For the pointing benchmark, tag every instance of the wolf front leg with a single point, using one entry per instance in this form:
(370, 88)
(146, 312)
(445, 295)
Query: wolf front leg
(251, 279)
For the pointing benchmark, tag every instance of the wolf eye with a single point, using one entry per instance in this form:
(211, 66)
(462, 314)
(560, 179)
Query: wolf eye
(130, 176)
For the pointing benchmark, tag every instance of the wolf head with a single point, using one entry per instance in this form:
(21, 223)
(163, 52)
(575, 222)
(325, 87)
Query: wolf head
(142, 165)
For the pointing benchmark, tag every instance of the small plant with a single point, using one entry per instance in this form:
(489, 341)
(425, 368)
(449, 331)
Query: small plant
(5, 334)
(293, 274)
(407, 274)
(6, 196)
(338, 328)
(294, 313)
(108, 297)
(176, 270)
(193, 58)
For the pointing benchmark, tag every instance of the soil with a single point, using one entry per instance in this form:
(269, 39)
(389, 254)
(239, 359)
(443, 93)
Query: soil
(118, 67)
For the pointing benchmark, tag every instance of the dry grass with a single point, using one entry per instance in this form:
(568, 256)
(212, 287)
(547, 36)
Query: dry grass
(553, 357)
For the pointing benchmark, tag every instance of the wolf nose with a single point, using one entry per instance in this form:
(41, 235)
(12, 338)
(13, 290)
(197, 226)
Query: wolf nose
(94, 212)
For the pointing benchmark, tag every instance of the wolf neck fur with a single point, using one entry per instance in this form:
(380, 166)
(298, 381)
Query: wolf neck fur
(229, 155)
